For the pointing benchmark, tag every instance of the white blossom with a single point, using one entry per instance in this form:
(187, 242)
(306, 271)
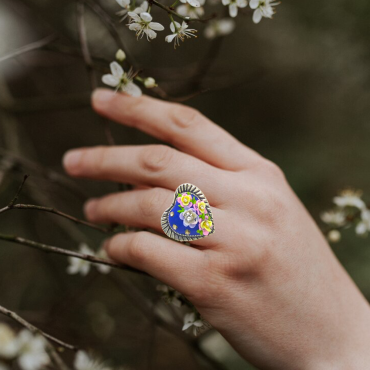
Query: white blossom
(142, 8)
(179, 33)
(350, 198)
(103, 269)
(263, 9)
(80, 266)
(334, 217)
(220, 27)
(190, 320)
(170, 295)
(187, 10)
(193, 3)
(149, 83)
(121, 80)
(363, 227)
(142, 24)
(85, 362)
(125, 4)
(334, 236)
(120, 55)
(234, 5)
(31, 351)
(8, 342)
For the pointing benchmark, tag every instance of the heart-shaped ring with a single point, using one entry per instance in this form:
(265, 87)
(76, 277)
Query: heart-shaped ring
(189, 217)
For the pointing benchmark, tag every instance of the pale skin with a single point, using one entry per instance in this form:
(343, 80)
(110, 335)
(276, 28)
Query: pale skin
(266, 279)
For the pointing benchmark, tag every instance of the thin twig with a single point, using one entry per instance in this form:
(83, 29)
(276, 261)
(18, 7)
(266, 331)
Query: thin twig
(65, 252)
(35, 330)
(33, 46)
(56, 212)
(12, 202)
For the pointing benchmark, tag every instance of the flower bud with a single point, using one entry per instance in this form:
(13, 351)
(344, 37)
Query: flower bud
(120, 55)
(150, 83)
(334, 236)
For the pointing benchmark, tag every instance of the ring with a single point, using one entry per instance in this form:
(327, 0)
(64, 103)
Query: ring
(189, 217)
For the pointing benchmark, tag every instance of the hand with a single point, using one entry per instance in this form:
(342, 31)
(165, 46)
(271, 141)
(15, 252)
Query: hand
(266, 279)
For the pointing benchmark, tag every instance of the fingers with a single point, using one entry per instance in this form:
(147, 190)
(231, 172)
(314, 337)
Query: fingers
(183, 127)
(171, 262)
(153, 165)
(144, 209)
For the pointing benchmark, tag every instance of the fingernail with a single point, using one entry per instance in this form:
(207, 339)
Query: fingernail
(101, 97)
(72, 158)
(89, 206)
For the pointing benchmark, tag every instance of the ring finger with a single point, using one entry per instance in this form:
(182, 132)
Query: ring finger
(143, 208)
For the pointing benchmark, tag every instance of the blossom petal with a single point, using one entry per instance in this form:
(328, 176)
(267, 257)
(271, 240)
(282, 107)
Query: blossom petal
(151, 34)
(156, 26)
(110, 80)
(226, 2)
(132, 89)
(134, 16)
(116, 69)
(257, 16)
(241, 3)
(233, 10)
(146, 17)
(194, 3)
(254, 4)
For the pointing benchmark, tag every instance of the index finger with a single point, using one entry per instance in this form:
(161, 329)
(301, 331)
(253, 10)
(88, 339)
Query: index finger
(183, 127)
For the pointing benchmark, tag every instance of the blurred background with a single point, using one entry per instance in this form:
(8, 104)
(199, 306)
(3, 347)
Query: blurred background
(295, 88)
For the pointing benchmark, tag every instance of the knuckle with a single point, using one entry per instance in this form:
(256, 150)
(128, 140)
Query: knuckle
(273, 170)
(149, 203)
(185, 116)
(156, 158)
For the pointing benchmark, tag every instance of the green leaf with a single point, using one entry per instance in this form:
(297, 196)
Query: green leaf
(193, 201)
(202, 216)
(200, 232)
(188, 193)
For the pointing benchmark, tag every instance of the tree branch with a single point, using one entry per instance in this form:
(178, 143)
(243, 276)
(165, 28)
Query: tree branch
(56, 212)
(65, 252)
(33, 46)
(35, 330)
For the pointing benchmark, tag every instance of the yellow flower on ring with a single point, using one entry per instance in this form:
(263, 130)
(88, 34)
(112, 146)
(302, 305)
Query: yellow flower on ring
(185, 199)
(201, 207)
(207, 225)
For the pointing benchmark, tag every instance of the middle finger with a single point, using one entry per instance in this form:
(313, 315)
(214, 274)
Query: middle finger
(153, 165)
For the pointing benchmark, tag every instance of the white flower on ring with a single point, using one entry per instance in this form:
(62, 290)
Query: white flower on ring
(179, 33)
(263, 9)
(234, 5)
(142, 24)
(121, 81)
(170, 295)
(220, 27)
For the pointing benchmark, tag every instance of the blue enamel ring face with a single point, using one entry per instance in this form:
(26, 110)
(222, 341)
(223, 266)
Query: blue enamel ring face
(189, 217)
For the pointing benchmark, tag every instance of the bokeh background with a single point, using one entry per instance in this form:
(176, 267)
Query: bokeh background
(295, 88)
